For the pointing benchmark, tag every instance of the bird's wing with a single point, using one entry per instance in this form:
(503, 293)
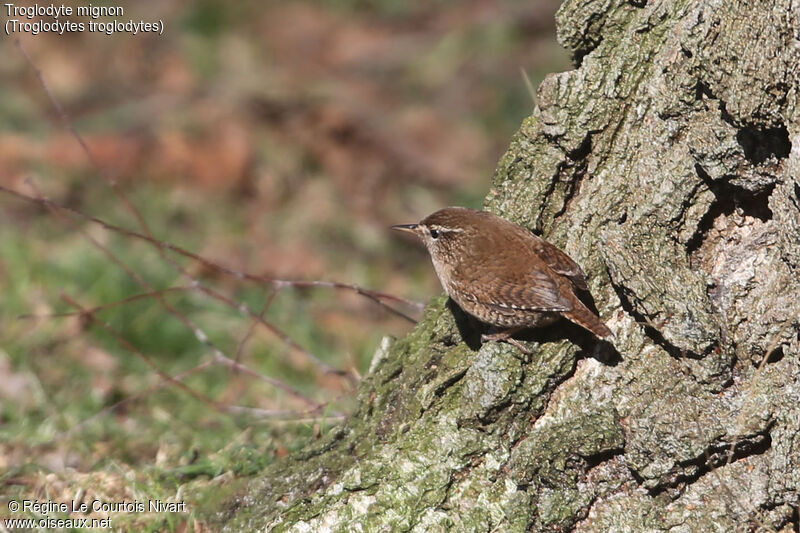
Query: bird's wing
(560, 262)
(533, 289)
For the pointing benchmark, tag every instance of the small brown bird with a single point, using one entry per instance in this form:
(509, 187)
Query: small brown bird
(503, 274)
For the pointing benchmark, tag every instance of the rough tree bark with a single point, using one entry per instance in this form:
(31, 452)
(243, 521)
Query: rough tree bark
(666, 164)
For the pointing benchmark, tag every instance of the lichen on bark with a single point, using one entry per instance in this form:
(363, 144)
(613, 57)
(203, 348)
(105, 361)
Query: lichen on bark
(666, 164)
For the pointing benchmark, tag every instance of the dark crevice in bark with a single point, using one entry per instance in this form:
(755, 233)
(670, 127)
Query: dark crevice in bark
(638, 479)
(583, 150)
(679, 219)
(581, 515)
(717, 455)
(703, 91)
(600, 458)
(572, 189)
(578, 162)
(593, 35)
(444, 504)
(796, 196)
(588, 46)
(449, 341)
(776, 355)
(321, 482)
(392, 375)
(332, 440)
(652, 333)
(474, 461)
(728, 198)
(691, 199)
(555, 381)
(759, 145)
(452, 380)
(775, 524)
(360, 488)
(493, 414)
(538, 228)
(394, 412)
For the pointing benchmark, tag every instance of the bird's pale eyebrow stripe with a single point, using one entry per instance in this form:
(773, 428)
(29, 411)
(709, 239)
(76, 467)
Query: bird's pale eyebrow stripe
(445, 229)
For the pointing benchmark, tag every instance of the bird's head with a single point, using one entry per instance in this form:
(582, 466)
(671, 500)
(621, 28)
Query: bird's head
(447, 232)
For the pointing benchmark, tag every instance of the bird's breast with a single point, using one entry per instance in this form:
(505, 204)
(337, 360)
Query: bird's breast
(443, 272)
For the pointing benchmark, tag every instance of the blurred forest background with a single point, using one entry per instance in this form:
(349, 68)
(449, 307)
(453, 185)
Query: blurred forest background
(280, 139)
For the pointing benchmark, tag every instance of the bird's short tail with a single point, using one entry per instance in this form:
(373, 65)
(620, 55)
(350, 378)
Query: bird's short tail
(581, 315)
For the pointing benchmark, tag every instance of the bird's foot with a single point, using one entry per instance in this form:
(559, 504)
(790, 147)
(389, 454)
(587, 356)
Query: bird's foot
(506, 336)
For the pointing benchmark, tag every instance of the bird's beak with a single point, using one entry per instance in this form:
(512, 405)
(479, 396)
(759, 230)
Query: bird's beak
(410, 228)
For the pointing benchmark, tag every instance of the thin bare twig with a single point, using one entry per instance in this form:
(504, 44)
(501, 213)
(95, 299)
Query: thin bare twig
(218, 358)
(276, 283)
(157, 294)
(528, 85)
(252, 327)
(158, 244)
(282, 415)
(285, 416)
(113, 407)
(163, 246)
(376, 296)
(153, 366)
(104, 307)
(201, 336)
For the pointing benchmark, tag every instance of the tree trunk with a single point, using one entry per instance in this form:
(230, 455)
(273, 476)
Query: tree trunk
(665, 164)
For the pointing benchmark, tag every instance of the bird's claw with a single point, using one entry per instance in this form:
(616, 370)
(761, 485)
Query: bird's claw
(505, 336)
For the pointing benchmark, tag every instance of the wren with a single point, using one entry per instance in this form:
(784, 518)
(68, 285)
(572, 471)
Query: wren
(502, 274)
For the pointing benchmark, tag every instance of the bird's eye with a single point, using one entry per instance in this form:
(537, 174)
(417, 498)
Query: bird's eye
(435, 233)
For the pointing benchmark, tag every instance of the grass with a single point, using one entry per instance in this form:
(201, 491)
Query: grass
(66, 371)
(303, 192)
